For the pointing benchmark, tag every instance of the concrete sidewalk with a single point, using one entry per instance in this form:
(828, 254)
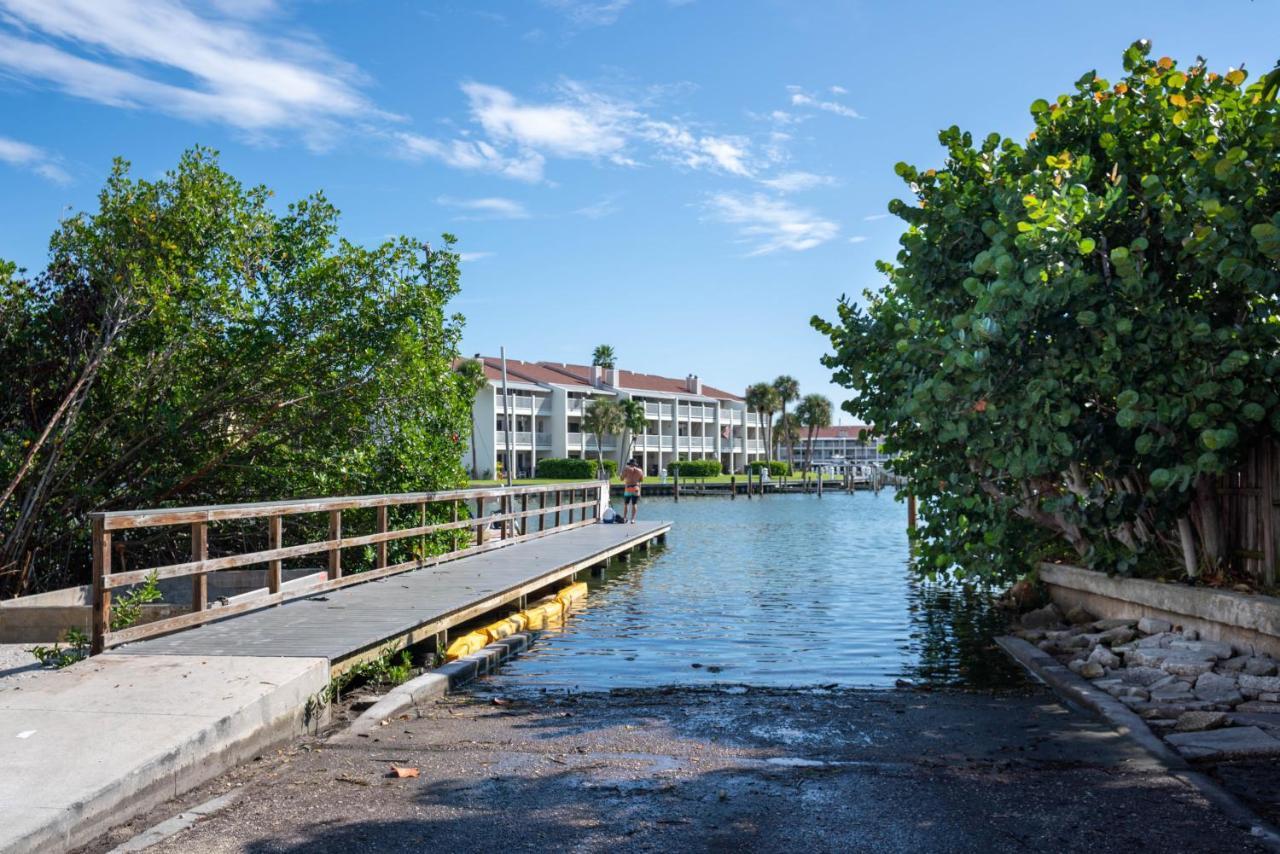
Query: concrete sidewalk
(87, 746)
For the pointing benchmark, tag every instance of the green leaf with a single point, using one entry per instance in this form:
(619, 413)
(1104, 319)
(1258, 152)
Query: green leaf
(1086, 245)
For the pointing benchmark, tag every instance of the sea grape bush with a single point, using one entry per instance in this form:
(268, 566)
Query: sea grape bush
(1079, 334)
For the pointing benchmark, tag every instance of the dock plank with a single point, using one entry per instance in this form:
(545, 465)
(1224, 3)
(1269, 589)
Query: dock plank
(345, 622)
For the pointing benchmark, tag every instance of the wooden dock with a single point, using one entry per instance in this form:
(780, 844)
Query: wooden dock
(398, 610)
(494, 547)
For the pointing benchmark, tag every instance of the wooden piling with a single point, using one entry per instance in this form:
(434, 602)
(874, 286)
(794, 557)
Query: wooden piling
(675, 481)
(911, 511)
(733, 487)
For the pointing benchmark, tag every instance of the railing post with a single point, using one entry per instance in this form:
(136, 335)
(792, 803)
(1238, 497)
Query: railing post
(381, 551)
(542, 506)
(275, 540)
(504, 507)
(602, 499)
(199, 552)
(733, 487)
(453, 535)
(335, 553)
(101, 595)
(559, 494)
(480, 519)
(524, 508)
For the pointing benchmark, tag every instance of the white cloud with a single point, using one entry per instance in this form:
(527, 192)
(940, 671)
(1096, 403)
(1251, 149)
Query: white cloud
(590, 13)
(578, 123)
(839, 90)
(474, 155)
(874, 217)
(493, 207)
(795, 182)
(599, 210)
(31, 158)
(770, 224)
(466, 257)
(162, 55)
(800, 98)
(858, 238)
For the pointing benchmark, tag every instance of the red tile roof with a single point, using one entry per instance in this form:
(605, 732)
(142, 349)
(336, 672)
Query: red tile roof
(849, 431)
(532, 372)
(644, 382)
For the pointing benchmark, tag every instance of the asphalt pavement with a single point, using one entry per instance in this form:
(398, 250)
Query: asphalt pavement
(694, 770)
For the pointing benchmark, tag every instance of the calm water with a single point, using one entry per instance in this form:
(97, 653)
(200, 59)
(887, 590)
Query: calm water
(788, 590)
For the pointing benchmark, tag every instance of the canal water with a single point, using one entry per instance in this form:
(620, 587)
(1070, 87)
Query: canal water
(788, 590)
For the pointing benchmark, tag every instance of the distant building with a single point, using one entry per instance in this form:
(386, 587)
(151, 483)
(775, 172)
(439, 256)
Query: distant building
(687, 419)
(839, 446)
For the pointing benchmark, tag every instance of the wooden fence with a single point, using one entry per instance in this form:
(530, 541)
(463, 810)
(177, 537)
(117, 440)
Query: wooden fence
(559, 507)
(1248, 508)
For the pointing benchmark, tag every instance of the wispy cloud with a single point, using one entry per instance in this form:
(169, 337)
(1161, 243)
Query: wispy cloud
(467, 257)
(32, 158)
(801, 98)
(493, 207)
(839, 90)
(164, 56)
(599, 210)
(590, 13)
(520, 136)
(771, 225)
(874, 217)
(858, 238)
(795, 182)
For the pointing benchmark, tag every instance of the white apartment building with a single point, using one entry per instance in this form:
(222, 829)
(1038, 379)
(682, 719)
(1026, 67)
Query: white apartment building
(687, 419)
(839, 447)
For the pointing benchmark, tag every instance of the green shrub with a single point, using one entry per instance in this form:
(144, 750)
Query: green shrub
(694, 468)
(777, 468)
(554, 468)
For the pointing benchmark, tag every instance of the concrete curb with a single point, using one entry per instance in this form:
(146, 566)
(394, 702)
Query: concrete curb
(1075, 689)
(435, 684)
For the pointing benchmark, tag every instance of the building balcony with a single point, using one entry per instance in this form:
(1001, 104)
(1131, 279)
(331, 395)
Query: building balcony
(657, 410)
(543, 440)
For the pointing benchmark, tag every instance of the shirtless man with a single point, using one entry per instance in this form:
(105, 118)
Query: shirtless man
(631, 477)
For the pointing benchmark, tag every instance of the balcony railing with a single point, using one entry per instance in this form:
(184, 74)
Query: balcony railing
(543, 440)
(575, 406)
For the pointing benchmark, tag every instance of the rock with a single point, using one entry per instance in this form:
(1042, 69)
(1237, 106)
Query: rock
(1260, 665)
(1160, 641)
(1103, 656)
(1144, 676)
(1268, 697)
(1222, 743)
(1108, 625)
(1216, 649)
(1078, 616)
(1252, 686)
(1030, 635)
(1200, 721)
(1259, 707)
(1166, 681)
(1218, 688)
(1189, 667)
(1179, 693)
(1117, 635)
(1136, 692)
(1151, 625)
(1236, 665)
(1161, 723)
(1092, 670)
(1075, 664)
(1190, 634)
(1042, 618)
(1047, 645)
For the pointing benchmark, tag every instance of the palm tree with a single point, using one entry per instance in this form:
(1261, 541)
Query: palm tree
(471, 373)
(603, 357)
(763, 398)
(604, 418)
(633, 421)
(788, 389)
(788, 431)
(814, 412)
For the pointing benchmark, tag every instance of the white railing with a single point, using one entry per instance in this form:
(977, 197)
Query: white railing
(575, 406)
(589, 442)
(544, 440)
(522, 437)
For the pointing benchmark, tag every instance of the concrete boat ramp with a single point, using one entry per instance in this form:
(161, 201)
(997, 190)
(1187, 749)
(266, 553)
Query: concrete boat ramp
(89, 746)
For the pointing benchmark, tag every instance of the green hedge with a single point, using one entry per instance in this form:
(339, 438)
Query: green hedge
(694, 468)
(554, 467)
(777, 468)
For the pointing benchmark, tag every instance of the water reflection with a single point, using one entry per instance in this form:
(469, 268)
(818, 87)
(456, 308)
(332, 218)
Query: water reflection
(788, 590)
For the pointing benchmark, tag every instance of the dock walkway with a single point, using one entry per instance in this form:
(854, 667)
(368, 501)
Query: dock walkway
(344, 624)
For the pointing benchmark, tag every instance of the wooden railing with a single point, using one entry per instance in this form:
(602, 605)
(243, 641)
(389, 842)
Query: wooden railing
(551, 508)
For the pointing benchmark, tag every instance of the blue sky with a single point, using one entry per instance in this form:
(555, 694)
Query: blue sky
(687, 180)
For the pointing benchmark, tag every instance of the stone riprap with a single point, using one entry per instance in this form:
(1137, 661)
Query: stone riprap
(1182, 685)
